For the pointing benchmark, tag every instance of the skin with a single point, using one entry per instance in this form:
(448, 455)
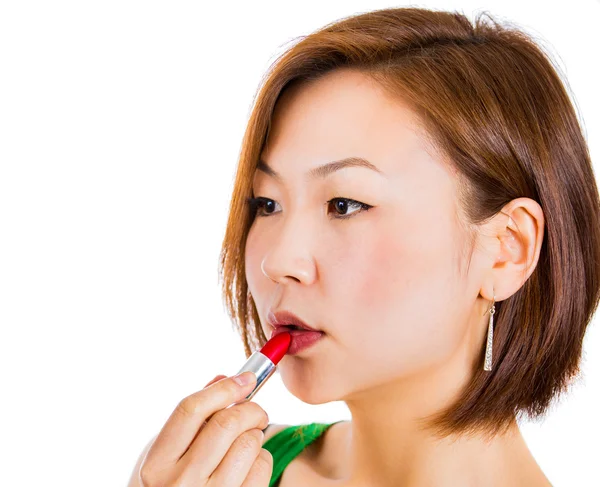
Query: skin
(403, 310)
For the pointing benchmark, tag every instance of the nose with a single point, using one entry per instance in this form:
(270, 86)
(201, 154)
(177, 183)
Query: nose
(289, 257)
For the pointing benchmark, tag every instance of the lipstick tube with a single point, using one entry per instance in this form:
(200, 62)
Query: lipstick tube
(264, 362)
(262, 367)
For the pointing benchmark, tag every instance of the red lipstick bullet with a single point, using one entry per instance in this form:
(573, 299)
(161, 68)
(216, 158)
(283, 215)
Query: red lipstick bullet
(264, 362)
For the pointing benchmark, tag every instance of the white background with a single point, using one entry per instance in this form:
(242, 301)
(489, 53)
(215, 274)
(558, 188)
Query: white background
(120, 127)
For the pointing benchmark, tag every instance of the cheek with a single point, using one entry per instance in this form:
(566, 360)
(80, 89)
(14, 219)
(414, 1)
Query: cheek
(402, 286)
(253, 255)
(389, 267)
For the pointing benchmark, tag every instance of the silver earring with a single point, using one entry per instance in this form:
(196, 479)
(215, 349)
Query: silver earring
(490, 337)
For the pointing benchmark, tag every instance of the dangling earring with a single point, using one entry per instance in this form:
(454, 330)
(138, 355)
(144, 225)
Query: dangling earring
(490, 337)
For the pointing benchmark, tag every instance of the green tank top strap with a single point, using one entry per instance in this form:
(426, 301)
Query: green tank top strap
(289, 442)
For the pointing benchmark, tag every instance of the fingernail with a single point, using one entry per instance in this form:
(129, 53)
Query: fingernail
(245, 378)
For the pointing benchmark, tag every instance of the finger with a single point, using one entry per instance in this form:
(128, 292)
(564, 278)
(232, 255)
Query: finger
(219, 434)
(238, 460)
(182, 426)
(217, 378)
(262, 470)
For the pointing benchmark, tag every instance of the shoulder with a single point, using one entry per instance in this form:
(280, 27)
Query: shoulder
(325, 457)
(273, 429)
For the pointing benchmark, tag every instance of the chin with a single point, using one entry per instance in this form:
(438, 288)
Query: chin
(309, 391)
(312, 399)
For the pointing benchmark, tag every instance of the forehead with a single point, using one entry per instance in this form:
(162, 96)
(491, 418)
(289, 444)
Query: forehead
(345, 113)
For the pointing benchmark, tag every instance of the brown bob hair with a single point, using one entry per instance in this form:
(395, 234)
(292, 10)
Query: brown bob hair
(493, 105)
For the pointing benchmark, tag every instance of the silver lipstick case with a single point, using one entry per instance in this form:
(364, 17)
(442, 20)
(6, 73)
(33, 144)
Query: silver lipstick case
(262, 366)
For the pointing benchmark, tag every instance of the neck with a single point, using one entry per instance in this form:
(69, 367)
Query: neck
(387, 447)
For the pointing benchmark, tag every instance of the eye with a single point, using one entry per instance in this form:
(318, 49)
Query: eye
(342, 204)
(261, 206)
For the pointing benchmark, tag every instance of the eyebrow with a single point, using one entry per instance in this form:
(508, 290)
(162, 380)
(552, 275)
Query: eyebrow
(325, 170)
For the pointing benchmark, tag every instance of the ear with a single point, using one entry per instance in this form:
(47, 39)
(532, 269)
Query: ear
(514, 250)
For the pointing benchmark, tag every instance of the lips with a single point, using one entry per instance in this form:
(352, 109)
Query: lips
(282, 329)
(283, 321)
(301, 340)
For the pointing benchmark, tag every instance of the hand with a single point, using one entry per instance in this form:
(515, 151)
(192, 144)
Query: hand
(210, 441)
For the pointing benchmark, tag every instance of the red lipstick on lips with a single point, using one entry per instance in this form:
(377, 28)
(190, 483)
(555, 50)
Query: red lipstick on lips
(303, 335)
(300, 339)
(264, 362)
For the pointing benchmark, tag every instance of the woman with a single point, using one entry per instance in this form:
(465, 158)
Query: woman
(418, 189)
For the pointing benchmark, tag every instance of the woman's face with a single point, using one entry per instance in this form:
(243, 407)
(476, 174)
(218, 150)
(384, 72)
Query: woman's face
(384, 284)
